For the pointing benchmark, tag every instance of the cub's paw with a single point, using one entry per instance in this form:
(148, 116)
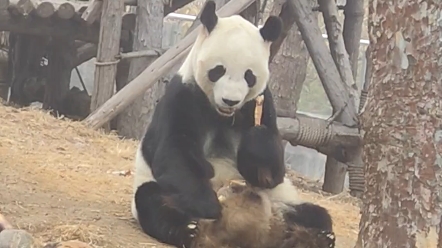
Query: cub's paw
(327, 239)
(191, 232)
(261, 157)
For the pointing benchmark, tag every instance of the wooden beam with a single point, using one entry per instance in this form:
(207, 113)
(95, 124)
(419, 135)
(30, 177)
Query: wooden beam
(337, 46)
(36, 26)
(85, 53)
(156, 70)
(108, 48)
(337, 92)
(331, 138)
(93, 11)
(337, 81)
(140, 54)
(45, 9)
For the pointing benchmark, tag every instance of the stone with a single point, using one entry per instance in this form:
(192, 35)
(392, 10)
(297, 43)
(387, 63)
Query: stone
(13, 238)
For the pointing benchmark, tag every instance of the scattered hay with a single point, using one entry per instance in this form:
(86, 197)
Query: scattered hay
(89, 234)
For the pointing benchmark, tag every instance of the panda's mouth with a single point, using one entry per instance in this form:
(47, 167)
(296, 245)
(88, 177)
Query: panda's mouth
(227, 112)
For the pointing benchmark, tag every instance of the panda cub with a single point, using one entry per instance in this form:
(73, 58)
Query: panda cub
(202, 135)
(251, 220)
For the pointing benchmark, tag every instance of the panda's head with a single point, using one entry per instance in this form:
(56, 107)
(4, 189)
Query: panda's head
(229, 59)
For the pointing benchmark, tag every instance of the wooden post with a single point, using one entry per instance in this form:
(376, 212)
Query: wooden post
(133, 121)
(108, 48)
(151, 74)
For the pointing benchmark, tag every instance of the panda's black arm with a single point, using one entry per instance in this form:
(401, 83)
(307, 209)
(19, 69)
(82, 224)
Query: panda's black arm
(174, 148)
(261, 154)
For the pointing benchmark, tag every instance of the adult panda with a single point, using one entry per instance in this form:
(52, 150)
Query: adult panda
(202, 134)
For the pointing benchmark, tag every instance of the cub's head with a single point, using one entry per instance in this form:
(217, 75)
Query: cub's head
(230, 57)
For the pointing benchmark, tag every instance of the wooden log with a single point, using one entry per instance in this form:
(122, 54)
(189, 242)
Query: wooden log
(44, 10)
(330, 139)
(66, 11)
(22, 7)
(108, 48)
(139, 54)
(93, 11)
(354, 17)
(156, 70)
(85, 53)
(36, 26)
(337, 46)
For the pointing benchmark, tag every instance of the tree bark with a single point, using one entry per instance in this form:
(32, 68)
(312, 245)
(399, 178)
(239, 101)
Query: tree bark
(289, 65)
(133, 121)
(108, 48)
(403, 127)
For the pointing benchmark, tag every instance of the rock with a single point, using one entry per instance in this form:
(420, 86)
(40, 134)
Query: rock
(12, 238)
(68, 244)
(4, 224)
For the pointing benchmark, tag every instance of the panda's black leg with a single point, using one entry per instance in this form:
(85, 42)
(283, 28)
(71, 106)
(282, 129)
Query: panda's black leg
(160, 219)
(309, 215)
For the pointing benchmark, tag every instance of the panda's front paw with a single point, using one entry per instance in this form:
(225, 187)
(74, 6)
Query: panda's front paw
(261, 157)
(191, 232)
(328, 239)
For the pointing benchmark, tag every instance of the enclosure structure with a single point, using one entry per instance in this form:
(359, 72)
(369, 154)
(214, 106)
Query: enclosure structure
(68, 33)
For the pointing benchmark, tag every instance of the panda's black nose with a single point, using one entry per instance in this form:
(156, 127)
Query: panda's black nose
(230, 102)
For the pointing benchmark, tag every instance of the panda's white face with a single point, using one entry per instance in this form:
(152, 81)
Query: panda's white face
(229, 60)
(232, 65)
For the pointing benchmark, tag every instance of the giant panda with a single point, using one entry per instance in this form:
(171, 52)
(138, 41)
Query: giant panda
(202, 135)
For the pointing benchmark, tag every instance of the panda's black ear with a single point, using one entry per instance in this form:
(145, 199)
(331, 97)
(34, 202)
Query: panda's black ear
(208, 16)
(272, 29)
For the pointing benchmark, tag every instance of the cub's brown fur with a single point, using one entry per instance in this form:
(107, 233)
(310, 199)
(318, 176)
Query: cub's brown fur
(248, 222)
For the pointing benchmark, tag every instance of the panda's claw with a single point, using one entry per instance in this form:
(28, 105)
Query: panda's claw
(330, 238)
(192, 227)
(191, 231)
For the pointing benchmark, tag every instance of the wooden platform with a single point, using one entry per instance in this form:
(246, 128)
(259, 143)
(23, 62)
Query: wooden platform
(54, 18)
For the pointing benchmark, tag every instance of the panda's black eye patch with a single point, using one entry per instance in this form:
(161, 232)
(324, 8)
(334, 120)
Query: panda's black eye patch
(250, 78)
(216, 73)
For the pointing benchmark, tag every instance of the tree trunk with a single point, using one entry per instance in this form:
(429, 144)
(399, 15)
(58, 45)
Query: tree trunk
(133, 121)
(288, 72)
(403, 127)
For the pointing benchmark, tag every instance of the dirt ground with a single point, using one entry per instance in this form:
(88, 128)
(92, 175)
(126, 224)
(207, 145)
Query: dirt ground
(61, 181)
